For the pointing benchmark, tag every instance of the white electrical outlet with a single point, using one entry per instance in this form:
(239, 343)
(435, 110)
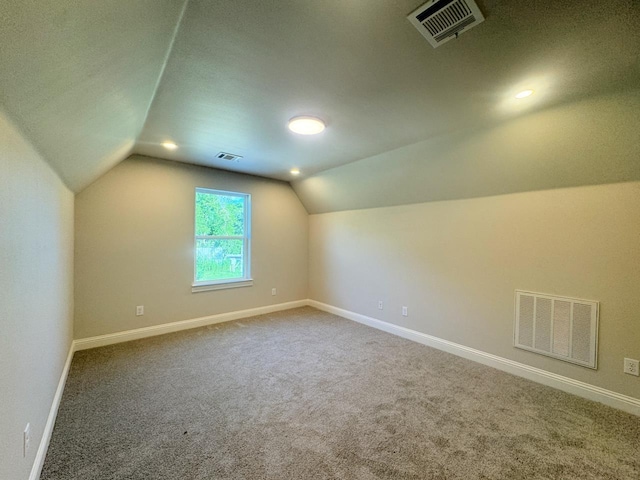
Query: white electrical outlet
(139, 310)
(273, 291)
(26, 440)
(380, 305)
(405, 313)
(631, 367)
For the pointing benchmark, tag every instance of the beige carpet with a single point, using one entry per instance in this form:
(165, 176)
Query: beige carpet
(303, 394)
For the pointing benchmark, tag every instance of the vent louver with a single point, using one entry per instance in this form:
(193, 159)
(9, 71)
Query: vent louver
(442, 20)
(230, 157)
(559, 327)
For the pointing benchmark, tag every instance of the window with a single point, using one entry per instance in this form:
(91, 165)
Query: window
(222, 240)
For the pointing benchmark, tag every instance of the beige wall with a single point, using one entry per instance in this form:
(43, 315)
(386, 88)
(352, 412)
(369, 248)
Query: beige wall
(456, 264)
(134, 246)
(36, 295)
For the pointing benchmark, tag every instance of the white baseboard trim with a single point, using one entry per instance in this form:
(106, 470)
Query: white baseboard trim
(566, 384)
(127, 335)
(38, 462)
(109, 339)
(585, 390)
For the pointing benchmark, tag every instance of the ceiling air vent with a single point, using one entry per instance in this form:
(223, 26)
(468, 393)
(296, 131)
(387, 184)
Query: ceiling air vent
(230, 157)
(442, 20)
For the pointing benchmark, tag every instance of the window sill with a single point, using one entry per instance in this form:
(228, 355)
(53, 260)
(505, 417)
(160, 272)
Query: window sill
(205, 287)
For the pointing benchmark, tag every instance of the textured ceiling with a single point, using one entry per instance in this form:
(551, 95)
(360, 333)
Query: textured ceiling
(78, 76)
(588, 142)
(91, 82)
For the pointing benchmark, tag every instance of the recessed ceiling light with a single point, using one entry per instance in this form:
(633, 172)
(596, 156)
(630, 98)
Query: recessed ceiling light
(295, 171)
(169, 145)
(524, 94)
(305, 125)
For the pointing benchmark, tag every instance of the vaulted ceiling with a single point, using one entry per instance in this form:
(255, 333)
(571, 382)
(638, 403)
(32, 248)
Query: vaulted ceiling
(90, 83)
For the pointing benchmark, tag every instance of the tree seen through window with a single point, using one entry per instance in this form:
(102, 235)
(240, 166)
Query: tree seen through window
(221, 239)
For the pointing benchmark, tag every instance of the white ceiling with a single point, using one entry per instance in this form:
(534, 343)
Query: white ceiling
(91, 82)
(588, 142)
(78, 76)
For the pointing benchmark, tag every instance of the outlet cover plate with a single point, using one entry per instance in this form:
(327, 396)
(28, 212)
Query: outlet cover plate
(631, 367)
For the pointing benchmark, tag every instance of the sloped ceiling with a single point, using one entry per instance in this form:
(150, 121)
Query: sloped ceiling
(78, 76)
(92, 82)
(588, 142)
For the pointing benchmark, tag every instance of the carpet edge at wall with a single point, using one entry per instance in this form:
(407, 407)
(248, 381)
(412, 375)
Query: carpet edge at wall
(566, 384)
(560, 382)
(38, 462)
(152, 331)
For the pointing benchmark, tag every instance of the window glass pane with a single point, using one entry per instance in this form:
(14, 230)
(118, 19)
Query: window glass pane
(219, 259)
(220, 215)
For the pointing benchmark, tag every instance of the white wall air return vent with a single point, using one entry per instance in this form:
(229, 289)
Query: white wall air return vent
(230, 157)
(442, 20)
(559, 327)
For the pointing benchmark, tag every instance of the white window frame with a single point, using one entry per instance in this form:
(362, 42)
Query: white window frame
(246, 280)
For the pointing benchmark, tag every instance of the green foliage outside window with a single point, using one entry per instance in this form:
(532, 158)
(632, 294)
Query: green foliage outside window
(219, 215)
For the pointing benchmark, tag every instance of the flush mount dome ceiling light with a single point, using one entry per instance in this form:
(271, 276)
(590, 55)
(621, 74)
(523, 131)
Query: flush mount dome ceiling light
(295, 171)
(524, 94)
(306, 125)
(169, 145)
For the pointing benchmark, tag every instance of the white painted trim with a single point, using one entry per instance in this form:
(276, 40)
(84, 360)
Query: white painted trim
(128, 335)
(566, 384)
(86, 343)
(38, 462)
(205, 287)
(591, 392)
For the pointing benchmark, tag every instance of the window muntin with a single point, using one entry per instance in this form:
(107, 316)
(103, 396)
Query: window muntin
(222, 237)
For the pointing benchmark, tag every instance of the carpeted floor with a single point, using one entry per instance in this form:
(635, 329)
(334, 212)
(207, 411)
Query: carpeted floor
(303, 394)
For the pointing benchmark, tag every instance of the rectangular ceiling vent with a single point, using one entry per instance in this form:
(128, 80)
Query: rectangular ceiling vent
(230, 157)
(559, 327)
(442, 20)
